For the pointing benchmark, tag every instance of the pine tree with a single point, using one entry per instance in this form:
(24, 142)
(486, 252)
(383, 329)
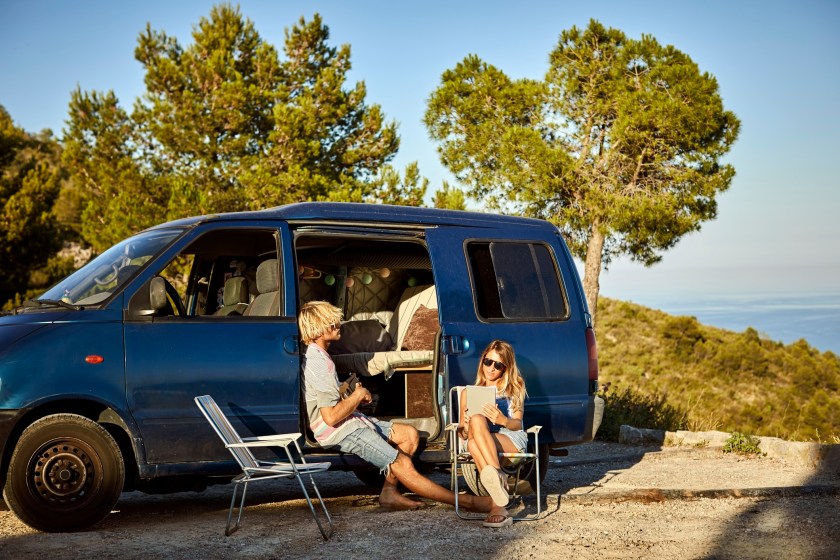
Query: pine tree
(620, 146)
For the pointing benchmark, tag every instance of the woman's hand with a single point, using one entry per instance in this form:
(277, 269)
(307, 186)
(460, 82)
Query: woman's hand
(493, 414)
(462, 425)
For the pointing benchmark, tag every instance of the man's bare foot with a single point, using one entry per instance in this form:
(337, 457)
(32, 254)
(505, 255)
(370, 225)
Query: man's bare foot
(393, 500)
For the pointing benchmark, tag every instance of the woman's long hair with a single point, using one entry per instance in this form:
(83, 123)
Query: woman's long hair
(513, 386)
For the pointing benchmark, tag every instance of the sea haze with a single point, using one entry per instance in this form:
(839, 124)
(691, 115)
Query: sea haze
(781, 317)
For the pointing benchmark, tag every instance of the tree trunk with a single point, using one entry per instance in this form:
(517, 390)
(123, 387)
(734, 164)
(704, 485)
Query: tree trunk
(592, 270)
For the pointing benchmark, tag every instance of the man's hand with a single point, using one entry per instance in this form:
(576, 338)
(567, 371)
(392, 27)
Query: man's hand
(362, 394)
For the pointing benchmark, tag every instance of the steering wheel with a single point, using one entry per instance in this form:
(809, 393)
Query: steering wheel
(108, 278)
(175, 298)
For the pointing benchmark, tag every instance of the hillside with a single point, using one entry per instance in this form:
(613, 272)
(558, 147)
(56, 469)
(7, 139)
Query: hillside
(685, 375)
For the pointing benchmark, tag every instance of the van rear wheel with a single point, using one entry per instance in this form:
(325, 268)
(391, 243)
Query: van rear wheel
(527, 478)
(66, 474)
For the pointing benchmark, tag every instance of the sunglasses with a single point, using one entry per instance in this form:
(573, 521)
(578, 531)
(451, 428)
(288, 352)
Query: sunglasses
(498, 365)
(334, 326)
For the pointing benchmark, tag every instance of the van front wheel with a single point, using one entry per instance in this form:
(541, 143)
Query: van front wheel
(66, 474)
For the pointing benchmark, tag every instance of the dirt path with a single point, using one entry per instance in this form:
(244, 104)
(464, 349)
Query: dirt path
(603, 501)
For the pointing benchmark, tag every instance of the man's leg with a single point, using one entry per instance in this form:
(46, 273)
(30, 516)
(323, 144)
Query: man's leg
(405, 472)
(406, 439)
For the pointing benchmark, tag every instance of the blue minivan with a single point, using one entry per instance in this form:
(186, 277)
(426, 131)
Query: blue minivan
(98, 375)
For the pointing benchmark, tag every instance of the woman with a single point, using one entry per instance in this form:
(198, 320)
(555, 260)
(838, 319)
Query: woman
(498, 428)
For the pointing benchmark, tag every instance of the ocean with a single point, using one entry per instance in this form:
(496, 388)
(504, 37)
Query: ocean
(778, 316)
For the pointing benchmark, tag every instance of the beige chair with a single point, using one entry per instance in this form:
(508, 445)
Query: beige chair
(235, 297)
(267, 303)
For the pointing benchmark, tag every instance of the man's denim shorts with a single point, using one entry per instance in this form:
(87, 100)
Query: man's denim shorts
(371, 444)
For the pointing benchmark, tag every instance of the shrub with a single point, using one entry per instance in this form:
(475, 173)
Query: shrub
(640, 411)
(742, 444)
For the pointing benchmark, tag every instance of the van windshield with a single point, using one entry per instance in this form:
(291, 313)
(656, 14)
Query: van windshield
(106, 274)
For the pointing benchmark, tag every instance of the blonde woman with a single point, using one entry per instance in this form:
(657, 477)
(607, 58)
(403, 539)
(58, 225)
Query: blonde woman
(498, 427)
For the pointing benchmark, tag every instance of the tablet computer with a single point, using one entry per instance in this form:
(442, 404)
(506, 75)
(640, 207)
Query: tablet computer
(478, 396)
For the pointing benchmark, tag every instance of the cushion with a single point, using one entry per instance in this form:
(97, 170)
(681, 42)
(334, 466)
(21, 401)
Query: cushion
(422, 329)
(362, 336)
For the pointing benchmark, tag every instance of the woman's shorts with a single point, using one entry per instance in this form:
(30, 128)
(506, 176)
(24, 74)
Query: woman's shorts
(518, 437)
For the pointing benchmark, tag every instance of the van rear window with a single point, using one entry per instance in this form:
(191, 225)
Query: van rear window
(515, 281)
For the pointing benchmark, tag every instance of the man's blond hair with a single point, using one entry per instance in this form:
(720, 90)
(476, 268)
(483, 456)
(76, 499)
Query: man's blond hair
(315, 318)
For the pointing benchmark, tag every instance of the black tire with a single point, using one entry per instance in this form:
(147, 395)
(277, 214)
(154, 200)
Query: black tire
(470, 474)
(530, 476)
(66, 474)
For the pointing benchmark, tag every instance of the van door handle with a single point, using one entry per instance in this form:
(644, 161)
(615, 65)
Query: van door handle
(455, 344)
(291, 345)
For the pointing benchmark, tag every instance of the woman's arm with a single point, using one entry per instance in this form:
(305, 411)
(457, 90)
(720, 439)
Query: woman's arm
(463, 419)
(512, 422)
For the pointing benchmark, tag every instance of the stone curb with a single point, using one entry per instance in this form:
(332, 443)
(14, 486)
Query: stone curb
(653, 495)
(818, 455)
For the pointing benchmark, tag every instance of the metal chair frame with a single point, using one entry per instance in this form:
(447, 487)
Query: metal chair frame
(515, 462)
(254, 470)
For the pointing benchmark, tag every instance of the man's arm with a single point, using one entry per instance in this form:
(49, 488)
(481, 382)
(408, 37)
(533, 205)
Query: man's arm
(332, 415)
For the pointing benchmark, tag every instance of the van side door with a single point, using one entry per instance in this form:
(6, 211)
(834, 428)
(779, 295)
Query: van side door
(248, 363)
(515, 285)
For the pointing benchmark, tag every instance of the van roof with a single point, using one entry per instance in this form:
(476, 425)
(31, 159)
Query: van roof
(355, 212)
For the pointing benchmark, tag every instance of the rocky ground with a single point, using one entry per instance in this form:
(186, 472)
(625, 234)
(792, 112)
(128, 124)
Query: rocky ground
(602, 501)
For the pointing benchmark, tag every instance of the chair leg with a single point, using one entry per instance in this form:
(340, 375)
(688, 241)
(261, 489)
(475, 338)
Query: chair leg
(325, 532)
(228, 529)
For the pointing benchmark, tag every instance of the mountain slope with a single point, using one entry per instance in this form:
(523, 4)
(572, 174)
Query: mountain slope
(720, 379)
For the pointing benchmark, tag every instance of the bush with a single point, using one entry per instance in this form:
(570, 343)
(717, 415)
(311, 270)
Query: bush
(742, 444)
(640, 411)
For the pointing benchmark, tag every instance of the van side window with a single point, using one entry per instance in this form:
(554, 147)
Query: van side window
(515, 281)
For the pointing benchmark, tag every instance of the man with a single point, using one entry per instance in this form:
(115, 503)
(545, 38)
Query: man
(337, 423)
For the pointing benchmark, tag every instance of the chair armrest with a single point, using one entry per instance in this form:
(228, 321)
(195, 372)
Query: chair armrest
(534, 429)
(279, 440)
(272, 437)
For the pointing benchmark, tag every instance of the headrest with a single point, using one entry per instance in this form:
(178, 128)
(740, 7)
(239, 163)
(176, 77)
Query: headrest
(267, 280)
(236, 290)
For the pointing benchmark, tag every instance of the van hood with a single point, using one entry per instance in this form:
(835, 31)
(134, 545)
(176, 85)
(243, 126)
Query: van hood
(15, 327)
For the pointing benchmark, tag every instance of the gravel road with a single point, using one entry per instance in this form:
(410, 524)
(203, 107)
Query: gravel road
(602, 501)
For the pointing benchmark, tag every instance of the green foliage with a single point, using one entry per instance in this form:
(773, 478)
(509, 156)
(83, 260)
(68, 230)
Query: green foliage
(449, 197)
(226, 125)
(620, 145)
(742, 444)
(724, 380)
(30, 181)
(639, 410)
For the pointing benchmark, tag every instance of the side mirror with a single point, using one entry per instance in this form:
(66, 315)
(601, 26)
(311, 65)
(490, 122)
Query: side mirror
(157, 293)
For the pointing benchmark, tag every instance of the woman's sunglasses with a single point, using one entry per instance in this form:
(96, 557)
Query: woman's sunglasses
(498, 365)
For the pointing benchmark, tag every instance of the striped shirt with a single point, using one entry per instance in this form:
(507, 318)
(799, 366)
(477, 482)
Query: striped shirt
(321, 390)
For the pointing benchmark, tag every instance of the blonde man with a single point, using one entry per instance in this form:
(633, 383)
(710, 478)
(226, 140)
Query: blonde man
(337, 423)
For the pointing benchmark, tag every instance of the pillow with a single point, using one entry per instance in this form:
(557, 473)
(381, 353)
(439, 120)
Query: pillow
(422, 329)
(362, 336)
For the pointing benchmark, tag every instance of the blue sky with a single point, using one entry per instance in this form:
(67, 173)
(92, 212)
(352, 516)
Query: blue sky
(777, 64)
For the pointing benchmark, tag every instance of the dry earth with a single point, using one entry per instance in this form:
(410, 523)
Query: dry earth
(603, 501)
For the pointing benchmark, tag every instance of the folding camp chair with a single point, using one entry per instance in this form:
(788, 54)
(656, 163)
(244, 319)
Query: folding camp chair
(512, 464)
(254, 470)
